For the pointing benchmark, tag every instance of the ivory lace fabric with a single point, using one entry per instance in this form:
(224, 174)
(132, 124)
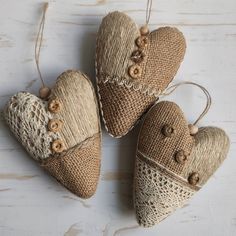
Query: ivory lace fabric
(27, 118)
(157, 195)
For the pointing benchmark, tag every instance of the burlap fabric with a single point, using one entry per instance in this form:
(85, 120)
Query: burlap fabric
(54, 131)
(161, 182)
(78, 169)
(117, 88)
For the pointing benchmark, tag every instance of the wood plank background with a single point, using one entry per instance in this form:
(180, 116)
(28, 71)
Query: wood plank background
(31, 202)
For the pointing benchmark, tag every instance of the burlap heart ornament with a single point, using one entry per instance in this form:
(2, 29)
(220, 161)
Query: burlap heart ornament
(62, 134)
(172, 165)
(133, 69)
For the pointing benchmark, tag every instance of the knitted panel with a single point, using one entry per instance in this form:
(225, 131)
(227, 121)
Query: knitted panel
(78, 169)
(157, 195)
(115, 44)
(28, 118)
(79, 111)
(210, 150)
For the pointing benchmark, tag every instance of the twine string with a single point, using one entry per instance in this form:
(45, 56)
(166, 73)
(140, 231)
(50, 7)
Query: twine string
(39, 40)
(172, 88)
(148, 11)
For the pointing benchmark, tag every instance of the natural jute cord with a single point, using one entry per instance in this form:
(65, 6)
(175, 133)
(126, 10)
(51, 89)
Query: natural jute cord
(148, 11)
(39, 40)
(172, 88)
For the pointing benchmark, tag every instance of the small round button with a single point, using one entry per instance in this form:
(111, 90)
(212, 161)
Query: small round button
(181, 157)
(44, 92)
(137, 56)
(58, 146)
(135, 71)
(167, 130)
(142, 41)
(55, 125)
(54, 106)
(144, 30)
(193, 179)
(193, 129)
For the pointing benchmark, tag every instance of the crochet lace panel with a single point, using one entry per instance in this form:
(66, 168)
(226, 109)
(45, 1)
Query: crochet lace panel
(156, 195)
(28, 118)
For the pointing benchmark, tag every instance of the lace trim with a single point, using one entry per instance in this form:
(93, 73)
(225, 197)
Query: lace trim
(165, 171)
(157, 195)
(131, 84)
(28, 118)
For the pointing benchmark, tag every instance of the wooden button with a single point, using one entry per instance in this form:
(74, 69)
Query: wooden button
(44, 92)
(167, 130)
(135, 71)
(142, 41)
(54, 106)
(137, 56)
(144, 30)
(181, 157)
(55, 125)
(193, 129)
(193, 179)
(58, 146)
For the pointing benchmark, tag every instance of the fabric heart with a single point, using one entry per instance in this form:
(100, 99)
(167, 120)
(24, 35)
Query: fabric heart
(171, 165)
(62, 134)
(133, 69)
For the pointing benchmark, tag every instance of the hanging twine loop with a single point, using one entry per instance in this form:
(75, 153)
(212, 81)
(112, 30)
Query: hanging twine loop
(44, 91)
(148, 11)
(144, 30)
(192, 127)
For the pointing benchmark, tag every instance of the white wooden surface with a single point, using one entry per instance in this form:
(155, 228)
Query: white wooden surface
(31, 202)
